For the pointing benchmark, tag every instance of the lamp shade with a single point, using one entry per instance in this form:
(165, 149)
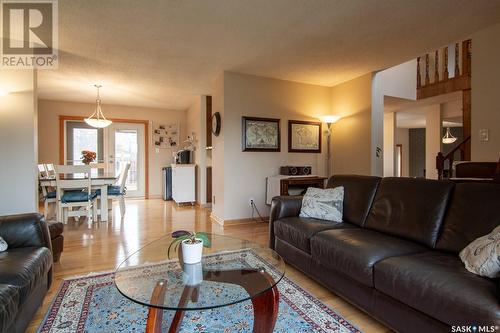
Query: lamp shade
(330, 119)
(98, 123)
(448, 137)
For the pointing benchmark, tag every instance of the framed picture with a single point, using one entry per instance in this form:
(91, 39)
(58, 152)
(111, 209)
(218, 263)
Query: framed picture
(304, 136)
(260, 134)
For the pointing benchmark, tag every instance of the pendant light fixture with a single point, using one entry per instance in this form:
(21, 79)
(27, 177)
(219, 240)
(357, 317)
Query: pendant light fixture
(97, 119)
(448, 137)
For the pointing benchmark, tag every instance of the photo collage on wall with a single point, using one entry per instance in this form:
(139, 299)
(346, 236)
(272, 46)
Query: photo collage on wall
(166, 136)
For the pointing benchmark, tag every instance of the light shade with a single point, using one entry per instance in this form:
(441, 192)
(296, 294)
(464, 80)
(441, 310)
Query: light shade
(448, 137)
(330, 119)
(97, 118)
(98, 123)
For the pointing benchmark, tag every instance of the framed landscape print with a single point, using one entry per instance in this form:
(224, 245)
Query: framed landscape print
(304, 136)
(260, 134)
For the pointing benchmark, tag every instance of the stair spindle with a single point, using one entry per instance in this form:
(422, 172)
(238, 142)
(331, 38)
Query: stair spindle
(436, 66)
(427, 79)
(457, 68)
(419, 78)
(446, 74)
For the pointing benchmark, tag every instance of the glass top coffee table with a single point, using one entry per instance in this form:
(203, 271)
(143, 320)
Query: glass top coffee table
(231, 271)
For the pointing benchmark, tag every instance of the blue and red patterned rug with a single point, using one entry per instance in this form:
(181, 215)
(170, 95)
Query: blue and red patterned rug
(93, 304)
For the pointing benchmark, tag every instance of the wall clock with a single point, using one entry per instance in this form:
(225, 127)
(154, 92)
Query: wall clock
(216, 123)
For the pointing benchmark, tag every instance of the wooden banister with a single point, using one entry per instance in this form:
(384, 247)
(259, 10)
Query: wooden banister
(442, 82)
(450, 157)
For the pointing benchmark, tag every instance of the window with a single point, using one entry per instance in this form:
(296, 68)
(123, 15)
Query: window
(80, 136)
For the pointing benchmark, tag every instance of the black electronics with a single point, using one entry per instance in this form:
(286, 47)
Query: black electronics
(295, 170)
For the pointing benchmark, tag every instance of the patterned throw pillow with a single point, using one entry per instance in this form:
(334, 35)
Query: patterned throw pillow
(3, 245)
(323, 204)
(482, 256)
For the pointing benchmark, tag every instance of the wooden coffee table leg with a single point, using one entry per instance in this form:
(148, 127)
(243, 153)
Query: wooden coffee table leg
(265, 309)
(155, 315)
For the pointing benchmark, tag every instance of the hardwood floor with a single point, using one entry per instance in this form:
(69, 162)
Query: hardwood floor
(102, 246)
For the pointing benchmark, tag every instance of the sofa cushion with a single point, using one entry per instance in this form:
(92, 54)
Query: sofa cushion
(355, 251)
(473, 213)
(25, 268)
(323, 204)
(9, 303)
(298, 231)
(410, 208)
(438, 284)
(359, 192)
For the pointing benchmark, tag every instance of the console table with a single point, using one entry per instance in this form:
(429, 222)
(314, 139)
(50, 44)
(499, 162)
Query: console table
(281, 185)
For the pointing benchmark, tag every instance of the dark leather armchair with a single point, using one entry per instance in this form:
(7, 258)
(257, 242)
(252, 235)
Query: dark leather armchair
(25, 269)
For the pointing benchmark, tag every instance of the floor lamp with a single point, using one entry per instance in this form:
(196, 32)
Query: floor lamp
(329, 120)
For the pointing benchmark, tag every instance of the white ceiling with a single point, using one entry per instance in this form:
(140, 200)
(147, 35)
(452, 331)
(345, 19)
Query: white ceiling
(161, 53)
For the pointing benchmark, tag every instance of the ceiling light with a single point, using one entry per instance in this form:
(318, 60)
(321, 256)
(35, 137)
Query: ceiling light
(97, 118)
(3, 92)
(448, 137)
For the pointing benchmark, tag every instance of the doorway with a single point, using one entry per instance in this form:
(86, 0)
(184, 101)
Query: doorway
(125, 144)
(122, 142)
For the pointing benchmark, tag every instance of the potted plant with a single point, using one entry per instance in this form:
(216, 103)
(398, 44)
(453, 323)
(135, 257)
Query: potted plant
(88, 156)
(192, 244)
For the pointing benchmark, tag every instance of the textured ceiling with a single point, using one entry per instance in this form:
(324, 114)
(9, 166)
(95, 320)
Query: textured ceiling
(161, 53)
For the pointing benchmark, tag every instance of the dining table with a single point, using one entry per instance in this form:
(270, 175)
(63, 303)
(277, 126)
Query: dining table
(99, 178)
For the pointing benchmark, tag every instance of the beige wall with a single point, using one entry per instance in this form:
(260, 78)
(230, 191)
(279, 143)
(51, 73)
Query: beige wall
(196, 123)
(389, 144)
(18, 142)
(48, 134)
(485, 93)
(218, 165)
(433, 133)
(244, 174)
(403, 139)
(351, 136)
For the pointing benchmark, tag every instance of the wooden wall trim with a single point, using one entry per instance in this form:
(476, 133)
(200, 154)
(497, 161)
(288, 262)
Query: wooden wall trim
(62, 119)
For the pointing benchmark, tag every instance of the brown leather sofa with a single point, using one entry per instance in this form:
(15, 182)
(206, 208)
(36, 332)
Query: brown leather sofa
(395, 256)
(25, 269)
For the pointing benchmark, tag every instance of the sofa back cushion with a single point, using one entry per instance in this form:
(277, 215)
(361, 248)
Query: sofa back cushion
(359, 192)
(410, 208)
(474, 212)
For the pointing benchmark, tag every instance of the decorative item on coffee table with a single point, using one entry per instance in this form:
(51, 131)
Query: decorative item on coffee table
(192, 244)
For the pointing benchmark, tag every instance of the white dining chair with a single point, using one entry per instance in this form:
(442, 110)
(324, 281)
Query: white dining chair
(42, 171)
(51, 171)
(118, 191)
(48, 193)
(75, 192)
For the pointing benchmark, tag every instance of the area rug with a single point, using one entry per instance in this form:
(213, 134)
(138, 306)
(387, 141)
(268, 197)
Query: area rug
(93, 304)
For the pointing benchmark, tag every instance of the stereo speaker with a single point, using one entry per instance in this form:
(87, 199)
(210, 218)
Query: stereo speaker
(295, 170)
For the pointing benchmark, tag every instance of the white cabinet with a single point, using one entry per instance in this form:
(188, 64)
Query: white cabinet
(183, 183)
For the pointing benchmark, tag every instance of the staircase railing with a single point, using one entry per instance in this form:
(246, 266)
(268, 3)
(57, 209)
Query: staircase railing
(450, 157)
(434, 78)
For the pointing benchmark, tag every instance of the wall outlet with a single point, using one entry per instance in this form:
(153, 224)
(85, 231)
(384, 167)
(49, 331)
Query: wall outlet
(251, 201)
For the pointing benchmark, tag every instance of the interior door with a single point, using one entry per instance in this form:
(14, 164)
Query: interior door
(126, 144)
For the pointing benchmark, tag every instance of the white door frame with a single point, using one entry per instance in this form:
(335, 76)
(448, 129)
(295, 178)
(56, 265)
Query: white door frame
(109, 144)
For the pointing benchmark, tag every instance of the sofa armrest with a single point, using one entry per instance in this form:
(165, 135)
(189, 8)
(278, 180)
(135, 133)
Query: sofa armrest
(281, 207)
(25, 230)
